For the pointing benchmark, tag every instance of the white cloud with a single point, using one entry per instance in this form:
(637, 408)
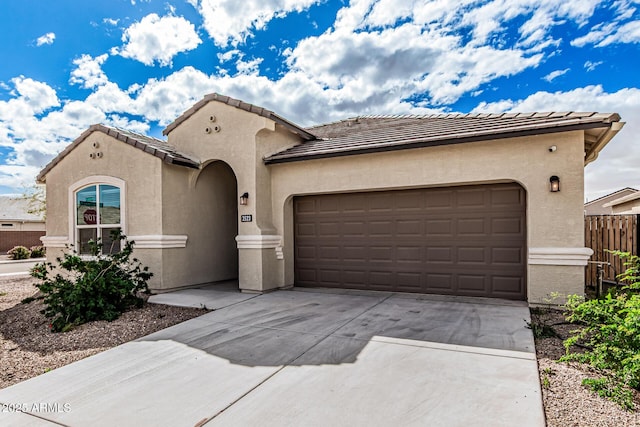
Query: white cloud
(158, 39)
(46, 39)
(616, 167)
(380, 56)
(88, 73)
(622, 29)
(555, 74)
(232, 21)
(111, 21)
(591, 65)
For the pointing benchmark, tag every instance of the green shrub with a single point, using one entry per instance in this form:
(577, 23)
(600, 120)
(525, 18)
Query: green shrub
(38, 251)
(610, 332)
(84, 289)
(19, 252)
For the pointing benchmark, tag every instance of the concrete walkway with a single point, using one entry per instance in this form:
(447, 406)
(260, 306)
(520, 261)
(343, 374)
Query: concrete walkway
(304, 358)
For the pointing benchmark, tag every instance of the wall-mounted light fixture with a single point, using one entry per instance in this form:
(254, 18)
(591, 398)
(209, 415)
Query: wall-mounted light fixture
(244, 199)
(554, 184)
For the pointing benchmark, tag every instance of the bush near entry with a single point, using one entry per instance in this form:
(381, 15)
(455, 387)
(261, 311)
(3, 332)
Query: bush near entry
(19, 252)
(610, 332)
(98, 287)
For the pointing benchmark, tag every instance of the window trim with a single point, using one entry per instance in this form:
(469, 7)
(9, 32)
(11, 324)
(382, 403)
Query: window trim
(95, 180)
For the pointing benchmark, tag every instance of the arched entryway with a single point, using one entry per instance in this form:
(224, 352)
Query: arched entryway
(217, 217)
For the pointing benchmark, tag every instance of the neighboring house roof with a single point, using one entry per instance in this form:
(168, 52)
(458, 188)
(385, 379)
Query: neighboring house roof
(303, 133)
(626, 190)
(624, 199)
(17, 209)
(153, 146)
(370, 134)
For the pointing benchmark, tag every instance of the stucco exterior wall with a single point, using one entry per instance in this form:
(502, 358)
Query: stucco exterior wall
(554, 220)
(203, 206)
(142, 210)
(243, 140)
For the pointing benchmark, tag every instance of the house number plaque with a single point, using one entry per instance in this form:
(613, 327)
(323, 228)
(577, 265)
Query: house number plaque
(246, 218)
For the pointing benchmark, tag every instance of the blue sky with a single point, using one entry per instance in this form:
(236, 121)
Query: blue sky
(138, 64)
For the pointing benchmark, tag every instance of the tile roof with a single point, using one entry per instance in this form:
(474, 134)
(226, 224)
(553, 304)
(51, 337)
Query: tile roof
(303, 133)
(368, 134)
(16, 209)
(153, 146)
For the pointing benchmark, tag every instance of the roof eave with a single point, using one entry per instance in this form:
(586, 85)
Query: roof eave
(421, 143)
(593, 153)
(254, 109)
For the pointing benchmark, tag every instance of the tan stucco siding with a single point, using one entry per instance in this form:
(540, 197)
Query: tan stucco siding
(203, 206)
(243, 140)
(140, 171)
(553, 219)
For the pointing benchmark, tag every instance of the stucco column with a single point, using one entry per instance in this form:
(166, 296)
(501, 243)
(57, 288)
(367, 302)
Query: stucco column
(258, 258)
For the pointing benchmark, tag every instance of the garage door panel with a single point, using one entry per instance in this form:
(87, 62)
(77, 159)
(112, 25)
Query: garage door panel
(439, 227)
(328, 229)
(471, 199)
(504, 255)
(468, 283)
(472, 227)
(438, 200)
(354, 229)
(472, 255)
(507, 284)
(328, 253)
(507, 197)
(408, 227)
(438, 282)
(455, 241)
(409, 255)
(507, 226)
(306, 230)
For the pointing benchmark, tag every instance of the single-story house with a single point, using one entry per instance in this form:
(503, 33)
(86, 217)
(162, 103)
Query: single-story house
(453, 204)
(602, 206)
(625, 205)
(18, 226)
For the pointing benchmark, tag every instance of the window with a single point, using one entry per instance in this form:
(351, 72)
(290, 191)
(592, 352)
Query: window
(97, 215)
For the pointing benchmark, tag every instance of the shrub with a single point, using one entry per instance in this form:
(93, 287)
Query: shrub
(610, 332)
(38, 251)
(19, 252)
(84, 289)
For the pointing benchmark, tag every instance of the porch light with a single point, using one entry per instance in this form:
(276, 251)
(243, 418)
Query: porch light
(244, 199)
(554, 184)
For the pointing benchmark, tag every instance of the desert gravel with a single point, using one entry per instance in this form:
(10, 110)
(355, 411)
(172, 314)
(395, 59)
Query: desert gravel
(28, 347)
(566, 402)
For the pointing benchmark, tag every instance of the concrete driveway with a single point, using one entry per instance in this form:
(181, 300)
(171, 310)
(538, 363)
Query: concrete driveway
(304, 358)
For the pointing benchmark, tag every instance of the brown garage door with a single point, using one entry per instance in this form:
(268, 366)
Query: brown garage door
(456, 241)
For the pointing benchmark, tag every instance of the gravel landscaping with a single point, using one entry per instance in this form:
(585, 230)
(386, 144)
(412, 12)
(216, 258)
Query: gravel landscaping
(28, 348)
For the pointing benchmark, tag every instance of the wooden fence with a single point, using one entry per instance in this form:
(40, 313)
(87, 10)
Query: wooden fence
(609, 232)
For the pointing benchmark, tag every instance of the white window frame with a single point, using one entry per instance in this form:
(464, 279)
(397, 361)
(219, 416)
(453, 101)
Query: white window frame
(87, 182)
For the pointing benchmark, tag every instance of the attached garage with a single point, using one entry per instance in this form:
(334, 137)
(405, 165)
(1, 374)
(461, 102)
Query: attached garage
(465, 240)
(453, 204)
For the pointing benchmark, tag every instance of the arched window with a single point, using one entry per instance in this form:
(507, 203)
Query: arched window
(97, 214)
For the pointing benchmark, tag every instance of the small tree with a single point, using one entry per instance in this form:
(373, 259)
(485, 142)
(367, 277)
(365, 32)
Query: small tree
(100, 287)
(36, 196)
